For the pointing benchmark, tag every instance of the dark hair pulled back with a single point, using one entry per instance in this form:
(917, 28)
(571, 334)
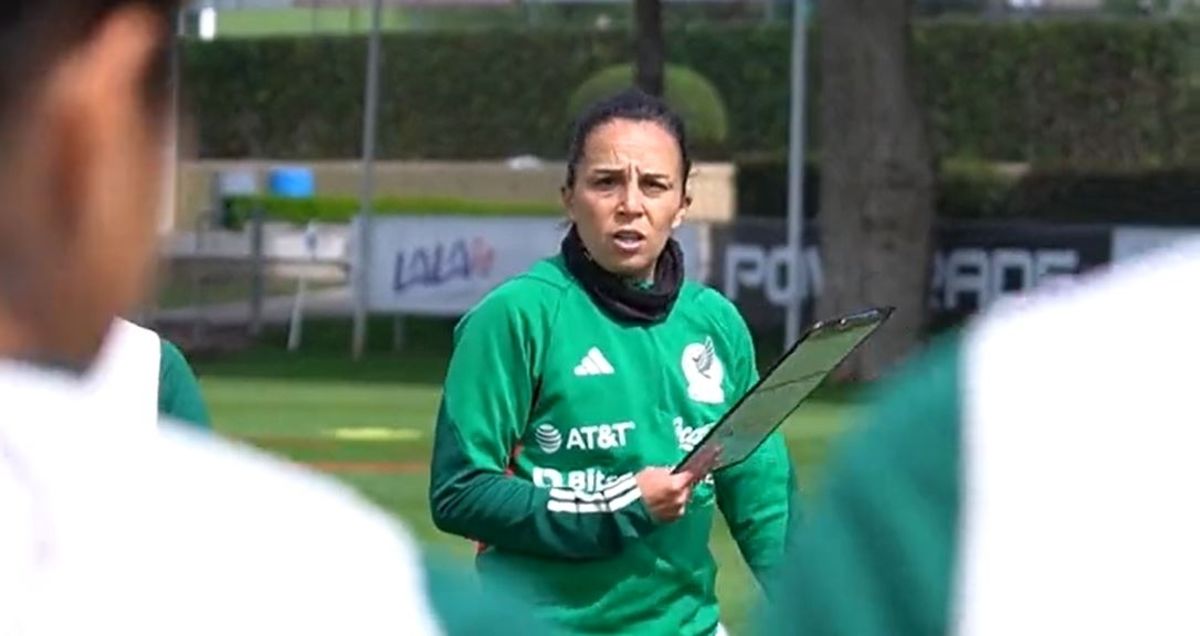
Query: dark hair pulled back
(633, 105)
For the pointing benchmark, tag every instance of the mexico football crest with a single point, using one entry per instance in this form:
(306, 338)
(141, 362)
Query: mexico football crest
(704, 372)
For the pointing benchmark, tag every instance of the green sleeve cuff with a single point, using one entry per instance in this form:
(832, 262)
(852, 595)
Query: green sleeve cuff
(178, 390)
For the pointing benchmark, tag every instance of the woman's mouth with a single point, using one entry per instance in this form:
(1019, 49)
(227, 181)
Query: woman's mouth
(629, 241)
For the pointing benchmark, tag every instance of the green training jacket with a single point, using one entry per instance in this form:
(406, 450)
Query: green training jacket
(551, 407)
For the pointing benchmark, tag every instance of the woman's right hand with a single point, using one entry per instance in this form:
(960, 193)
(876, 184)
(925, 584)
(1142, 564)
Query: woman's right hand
(666, 494)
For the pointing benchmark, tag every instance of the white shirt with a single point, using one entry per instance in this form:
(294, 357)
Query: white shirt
(126, 372)
(108, 530)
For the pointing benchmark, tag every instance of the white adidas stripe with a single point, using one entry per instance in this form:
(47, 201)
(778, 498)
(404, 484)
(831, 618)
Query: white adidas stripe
(594, 363)
(612, 499)
(598, 358)
(611, 492)
(583, 508)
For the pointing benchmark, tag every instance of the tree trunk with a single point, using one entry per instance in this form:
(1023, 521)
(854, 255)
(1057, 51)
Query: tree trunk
(877, 176)
(649, 39)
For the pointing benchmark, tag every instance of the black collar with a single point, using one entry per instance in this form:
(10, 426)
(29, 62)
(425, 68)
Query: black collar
(625, 301)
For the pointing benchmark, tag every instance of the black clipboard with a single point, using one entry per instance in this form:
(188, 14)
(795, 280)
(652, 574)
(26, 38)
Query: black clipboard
(783, 388)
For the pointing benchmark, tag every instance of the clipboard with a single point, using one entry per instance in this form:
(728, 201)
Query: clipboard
(781, 390)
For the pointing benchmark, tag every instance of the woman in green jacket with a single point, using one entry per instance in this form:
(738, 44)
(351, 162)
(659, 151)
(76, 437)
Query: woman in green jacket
(575, 385)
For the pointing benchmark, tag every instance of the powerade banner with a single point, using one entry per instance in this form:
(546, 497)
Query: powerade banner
(973, 264)
(751, 265)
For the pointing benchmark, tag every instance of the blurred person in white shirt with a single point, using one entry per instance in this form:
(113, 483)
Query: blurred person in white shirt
(1031, 473)
(114, 529)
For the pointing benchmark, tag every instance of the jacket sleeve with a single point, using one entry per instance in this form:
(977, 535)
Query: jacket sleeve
(178, 391)
(485, 406)
(758, 497)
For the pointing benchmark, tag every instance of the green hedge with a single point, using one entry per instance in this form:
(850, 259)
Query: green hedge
(336, 209)
(1170, 196)
(972, 190)
(1113, 93)
(1085, 93)
(689, 93)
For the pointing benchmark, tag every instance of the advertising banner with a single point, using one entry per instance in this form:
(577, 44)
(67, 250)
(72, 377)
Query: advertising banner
(442, 266)
(973, 264)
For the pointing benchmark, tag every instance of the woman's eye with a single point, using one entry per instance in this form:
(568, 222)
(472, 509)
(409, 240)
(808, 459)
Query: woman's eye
(656, 186)
(605, 182)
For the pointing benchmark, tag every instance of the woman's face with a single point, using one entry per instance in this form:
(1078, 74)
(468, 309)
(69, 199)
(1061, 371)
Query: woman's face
(628, 195)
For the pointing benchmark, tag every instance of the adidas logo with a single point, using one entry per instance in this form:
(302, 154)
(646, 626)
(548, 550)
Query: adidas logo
(594, 363)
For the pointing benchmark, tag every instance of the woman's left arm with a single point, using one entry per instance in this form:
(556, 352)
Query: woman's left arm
(758, 496)
(760, 503)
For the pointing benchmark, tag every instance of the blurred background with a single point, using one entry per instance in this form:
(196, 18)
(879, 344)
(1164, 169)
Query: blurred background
(352, 175)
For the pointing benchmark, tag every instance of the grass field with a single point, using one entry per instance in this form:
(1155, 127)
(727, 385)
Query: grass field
(335, 20)
(370, 424)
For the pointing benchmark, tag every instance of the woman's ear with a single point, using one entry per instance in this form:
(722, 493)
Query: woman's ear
(684, 206)
(567, 194)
